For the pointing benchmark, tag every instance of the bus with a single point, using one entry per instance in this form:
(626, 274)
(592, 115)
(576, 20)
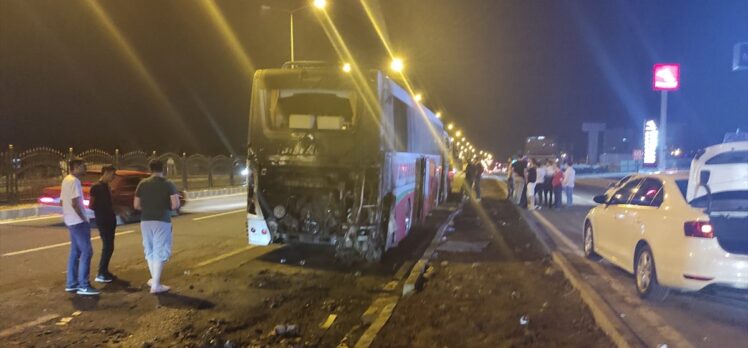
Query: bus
(335, 158)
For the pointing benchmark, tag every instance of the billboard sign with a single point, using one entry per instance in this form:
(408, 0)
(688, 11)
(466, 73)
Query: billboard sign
(651, 139)
(666, 77)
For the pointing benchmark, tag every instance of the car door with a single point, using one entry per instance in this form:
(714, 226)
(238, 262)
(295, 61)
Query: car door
(611, 221)
(123, 191)
(642, 219)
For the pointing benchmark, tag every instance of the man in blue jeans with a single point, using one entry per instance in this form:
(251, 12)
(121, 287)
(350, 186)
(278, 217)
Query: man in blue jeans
(74, 215)
(568, 183)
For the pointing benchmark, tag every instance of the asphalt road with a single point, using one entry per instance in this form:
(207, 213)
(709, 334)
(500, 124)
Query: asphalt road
(33, 256)
(682, 320)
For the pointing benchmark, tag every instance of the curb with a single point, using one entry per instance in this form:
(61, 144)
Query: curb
(214, 192)
(380, 311)
(605, 317)
(416, 274)
(35, 210)
(24, 212)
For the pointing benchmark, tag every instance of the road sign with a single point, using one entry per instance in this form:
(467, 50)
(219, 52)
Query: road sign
(666, 77)
(740, 57)
(651, 142)
(637, 154)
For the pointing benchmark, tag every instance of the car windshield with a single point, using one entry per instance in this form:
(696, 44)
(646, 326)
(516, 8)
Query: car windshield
(723, 201)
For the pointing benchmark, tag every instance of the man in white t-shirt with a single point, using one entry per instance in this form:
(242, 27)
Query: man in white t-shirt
(74, 215)
(568, 183)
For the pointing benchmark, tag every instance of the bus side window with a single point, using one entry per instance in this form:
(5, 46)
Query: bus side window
(400, 113)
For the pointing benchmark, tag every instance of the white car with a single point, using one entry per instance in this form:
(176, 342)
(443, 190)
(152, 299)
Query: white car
(649, 229)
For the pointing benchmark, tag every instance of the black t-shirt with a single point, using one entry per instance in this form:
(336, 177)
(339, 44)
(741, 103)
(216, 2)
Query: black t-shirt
(101, 201)
(519, 167)
(532, 174)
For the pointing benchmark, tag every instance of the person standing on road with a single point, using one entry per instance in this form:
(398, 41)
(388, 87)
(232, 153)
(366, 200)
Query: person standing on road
(101, 204)
(74, 215)
(156, 197)
(531, 176)
(568, 183)
(469, 178)
(548, 184)
(539, 184)
(518, 179)
(478, 175)
(558, 178)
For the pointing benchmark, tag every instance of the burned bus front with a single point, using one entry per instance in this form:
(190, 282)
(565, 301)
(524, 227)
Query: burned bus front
(312, 154)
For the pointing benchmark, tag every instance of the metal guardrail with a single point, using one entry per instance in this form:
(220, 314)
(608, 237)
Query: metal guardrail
(24, 174)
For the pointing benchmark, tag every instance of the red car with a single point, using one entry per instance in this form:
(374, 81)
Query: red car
(123, 192)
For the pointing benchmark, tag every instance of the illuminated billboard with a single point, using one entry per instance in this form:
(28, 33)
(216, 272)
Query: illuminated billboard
(666, 77)
(651, 139)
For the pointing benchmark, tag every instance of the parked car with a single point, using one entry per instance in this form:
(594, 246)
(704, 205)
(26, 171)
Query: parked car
(649, 228)
(123, 193)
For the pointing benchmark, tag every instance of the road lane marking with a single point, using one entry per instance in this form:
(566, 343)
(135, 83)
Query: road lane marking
(224, 256)
(18, 221)
(57, 245)
(217, 215)
(575, 248)
(20, 327)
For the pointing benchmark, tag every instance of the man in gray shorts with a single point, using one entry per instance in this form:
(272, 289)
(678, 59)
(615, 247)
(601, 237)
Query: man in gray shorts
(156, 197)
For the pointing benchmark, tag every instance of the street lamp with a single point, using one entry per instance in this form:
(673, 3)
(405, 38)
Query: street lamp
(438, 114)
(346, 67)
(318, 4)
(397, 65)
(418, 97)
(458, 134)
(450, 126)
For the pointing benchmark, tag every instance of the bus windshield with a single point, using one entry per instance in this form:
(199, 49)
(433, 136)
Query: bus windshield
(312, 109)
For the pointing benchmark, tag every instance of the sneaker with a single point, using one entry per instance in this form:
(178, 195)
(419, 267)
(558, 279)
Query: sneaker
(103, 279)
(87, 291)
(71, 289)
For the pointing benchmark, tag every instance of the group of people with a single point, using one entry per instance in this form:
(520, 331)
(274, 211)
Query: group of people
(473, 174)
(535, 184)
(156, 197)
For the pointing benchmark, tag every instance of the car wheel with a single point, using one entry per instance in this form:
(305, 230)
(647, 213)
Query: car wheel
(645, 273)
(589, 243)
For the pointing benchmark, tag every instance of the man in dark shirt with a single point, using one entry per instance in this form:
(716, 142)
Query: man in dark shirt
(518, 178)
(101, 204)
(156, 197)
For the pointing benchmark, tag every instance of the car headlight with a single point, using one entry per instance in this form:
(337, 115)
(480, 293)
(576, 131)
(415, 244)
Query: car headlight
(279, 212)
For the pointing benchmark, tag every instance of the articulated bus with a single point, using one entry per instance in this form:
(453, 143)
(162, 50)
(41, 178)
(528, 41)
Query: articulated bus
(336, 160)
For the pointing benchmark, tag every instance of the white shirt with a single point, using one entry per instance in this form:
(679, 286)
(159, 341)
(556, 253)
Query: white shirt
(569, 177)
(541, 174)
(71, 189)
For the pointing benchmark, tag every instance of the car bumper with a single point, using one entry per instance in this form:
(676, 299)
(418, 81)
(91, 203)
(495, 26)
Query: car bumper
(708, 264)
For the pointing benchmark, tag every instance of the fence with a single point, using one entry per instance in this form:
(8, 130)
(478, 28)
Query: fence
(24, 174)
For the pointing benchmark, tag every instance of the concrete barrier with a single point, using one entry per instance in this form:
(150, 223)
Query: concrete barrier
(35, 210)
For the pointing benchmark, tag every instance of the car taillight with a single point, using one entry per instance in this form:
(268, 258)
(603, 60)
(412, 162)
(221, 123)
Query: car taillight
(46, 200)
(698, 229)
(85, 202)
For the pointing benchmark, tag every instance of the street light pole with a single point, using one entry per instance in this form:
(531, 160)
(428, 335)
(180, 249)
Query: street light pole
(292, 56)
(318, 4)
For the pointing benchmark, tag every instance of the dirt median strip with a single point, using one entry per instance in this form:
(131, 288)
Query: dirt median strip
(385, 305)
(604, 315)
(416, 274)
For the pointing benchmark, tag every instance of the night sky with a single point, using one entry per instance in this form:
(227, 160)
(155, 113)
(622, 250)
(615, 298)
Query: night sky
(502, 70)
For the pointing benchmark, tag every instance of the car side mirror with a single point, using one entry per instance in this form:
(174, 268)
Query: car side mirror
(600, 199)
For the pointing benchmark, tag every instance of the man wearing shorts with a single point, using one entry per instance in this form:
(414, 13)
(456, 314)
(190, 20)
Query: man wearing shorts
(156, 197)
